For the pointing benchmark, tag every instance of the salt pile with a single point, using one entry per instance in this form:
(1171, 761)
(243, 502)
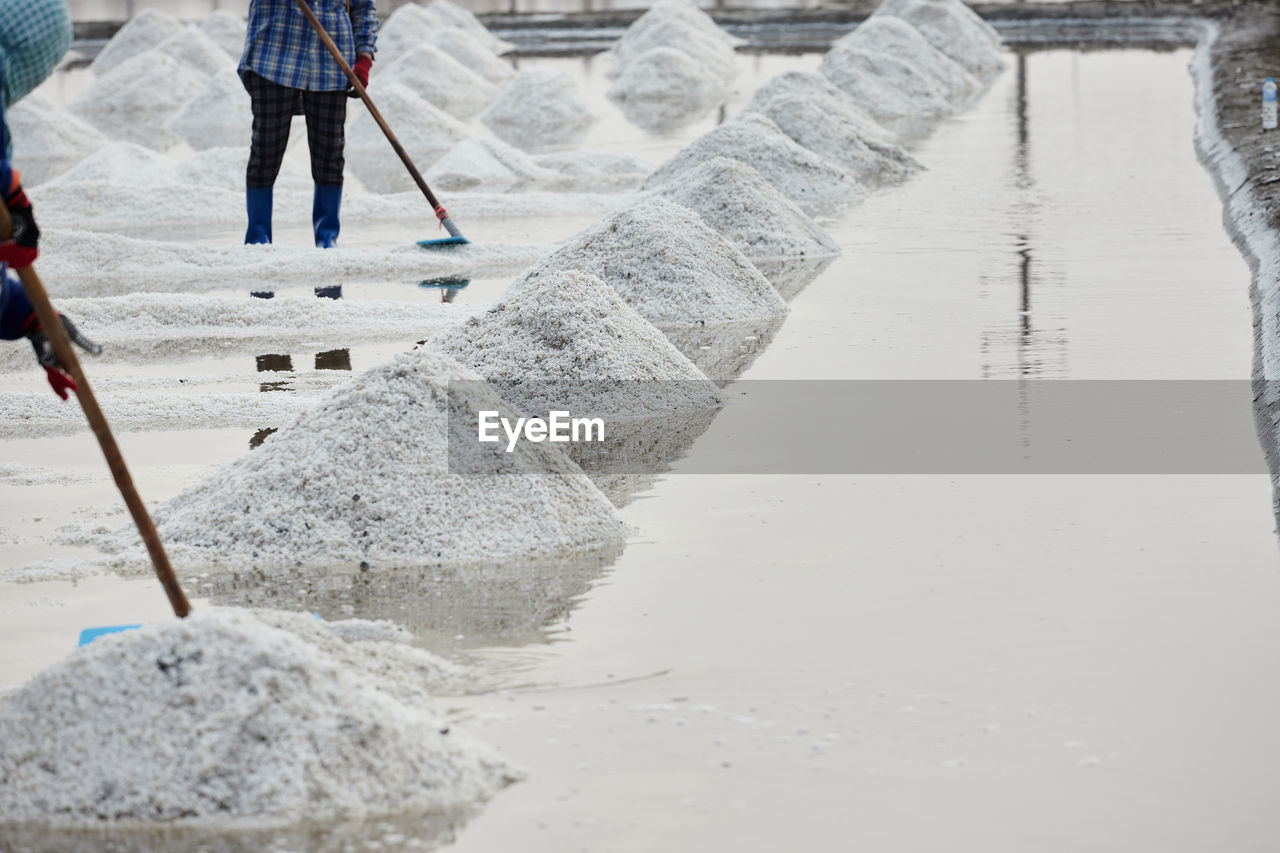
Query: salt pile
(814, 87)
(485, 163)
(826, 132)
(386, 470)
(894, 36)
(453, 16)
(668, 265)
(226, 30)
(48, 140)
(540, 108)
(594, 170)
(116, 163)
(425, 131)
(666, 88)
(566, 340)
(194, 49)
(407, 27)
(746, 210)
(221, 115)
(438, 78)
(141, 33)
(225, 167)
(664, 12)
(798, 173)
(472, 53)
(221, 718)
(714, 54)
(955, 29)
(135, 99)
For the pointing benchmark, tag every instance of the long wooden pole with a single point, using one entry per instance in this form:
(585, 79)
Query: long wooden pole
(52, 326)
(440, 212)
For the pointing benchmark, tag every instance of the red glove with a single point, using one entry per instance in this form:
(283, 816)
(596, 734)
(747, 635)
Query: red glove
(20, 251)
(363, 63)
(60, 382)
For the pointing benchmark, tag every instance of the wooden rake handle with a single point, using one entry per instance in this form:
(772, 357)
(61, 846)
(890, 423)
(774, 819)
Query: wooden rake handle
(51, 324)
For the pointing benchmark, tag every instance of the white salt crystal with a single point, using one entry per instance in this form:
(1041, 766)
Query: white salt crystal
(955, 29)
(226, 30)
(472, 53)
(451, 15)
(798, 173)
(193, 48)
(668, 265)
(221, 718)
(541, 108)
(594, 170)
(425, 131)
(484, 163)
(817, 88)
(408, 27)
(666, 10)
(386, 470)
(438, 78)
(713, 54)
(665, 88)
(141, 33)
(48, 140)
(896, 37)
(221, 115)
(135, 99)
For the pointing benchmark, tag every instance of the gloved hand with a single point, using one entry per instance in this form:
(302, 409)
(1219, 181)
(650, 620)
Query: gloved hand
(20, 250)
(363, 63)
(58, 377)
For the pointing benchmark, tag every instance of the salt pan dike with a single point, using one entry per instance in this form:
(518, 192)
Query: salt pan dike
(230, 721)
(385, 473)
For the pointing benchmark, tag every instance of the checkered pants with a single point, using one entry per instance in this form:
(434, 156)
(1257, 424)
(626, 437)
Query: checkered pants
(273, 110)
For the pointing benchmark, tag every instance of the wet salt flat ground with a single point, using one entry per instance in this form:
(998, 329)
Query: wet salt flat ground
(905, 663)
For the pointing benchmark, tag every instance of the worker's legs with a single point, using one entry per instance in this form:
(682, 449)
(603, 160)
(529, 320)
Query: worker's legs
(326, 114)
(273, 107)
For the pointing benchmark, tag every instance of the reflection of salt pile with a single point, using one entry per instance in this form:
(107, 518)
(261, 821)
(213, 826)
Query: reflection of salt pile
(742, 207)
(226, 30)
(438, 78)
(953, 28)
(425, 131)
(221, 717)
(567, 341)
(893, 73)
(136, 98)
(484, 163)
(472, 53)
(676, 272)
(820, 129)
(453, 16)
(798, 173)
(665, 88)
(143, 31)
(193, 48)
(219, 116)
(386, 470)
(672, 65)
(540, 108)
(48, 140)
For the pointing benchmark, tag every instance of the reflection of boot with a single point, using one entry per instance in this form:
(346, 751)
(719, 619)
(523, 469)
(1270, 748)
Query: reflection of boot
(324, 215)
(334, 359)
(329, 291)
(257, 202)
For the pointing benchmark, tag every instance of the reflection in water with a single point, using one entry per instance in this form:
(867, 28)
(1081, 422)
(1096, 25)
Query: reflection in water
(260, 436)
(334, 359)
(447, 285)
(723, 350)
(514, 603)
(789, 276)
(274, 363)
(329, 291)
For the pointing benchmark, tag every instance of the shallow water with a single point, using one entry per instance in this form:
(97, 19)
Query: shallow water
(1051, 663)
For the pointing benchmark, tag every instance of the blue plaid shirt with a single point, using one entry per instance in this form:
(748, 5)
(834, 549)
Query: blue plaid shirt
(34, 35)
(281, 46)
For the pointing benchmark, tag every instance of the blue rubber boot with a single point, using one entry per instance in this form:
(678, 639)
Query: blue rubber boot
(257, 202)
(324, 215)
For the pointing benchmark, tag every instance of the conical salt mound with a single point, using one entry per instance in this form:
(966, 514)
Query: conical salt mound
(716, 57)
(483, 163)
(541, 108)
(799, 174)
(425, 131)
(567, 340)
(221, 116)
(746, 210)
(142, 32)
(472, 53)
(387, 471)
(407, 27)
(819, 90)
(194, 49)
(664, 11)
(438, 78)
(226, 30)
(896, 37)
(955, 29)
(48, 140)
(451, 15)
(812, 125)
(222, 719)
(135, 100)
(665, 88)
(668, 265)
